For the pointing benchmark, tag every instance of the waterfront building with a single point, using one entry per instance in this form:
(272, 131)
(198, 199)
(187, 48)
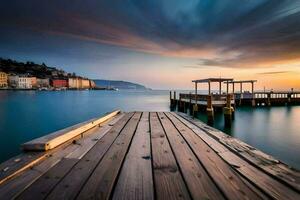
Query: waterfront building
(42, 82)
(85, 83)
(3, 80)
(20, 81)
(59, 83)
(78, 83)
(74, 83)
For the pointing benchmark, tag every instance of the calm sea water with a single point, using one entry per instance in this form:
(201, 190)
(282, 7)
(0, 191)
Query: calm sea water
(25, 115)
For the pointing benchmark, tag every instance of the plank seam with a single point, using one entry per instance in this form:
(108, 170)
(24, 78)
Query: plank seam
(59, 160)
(123, 160)
(175, 158)
(217, 186)
(151, 153)
(242, 157)
(247, 178)
(93, 169)
(76, 196)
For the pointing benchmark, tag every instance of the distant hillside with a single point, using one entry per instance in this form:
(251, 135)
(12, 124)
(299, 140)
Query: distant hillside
(119, 84)
(31, 68)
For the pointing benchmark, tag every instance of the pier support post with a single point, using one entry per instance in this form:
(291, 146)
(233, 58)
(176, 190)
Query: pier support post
(175, 101)
(269, 99)
(179, 104)
(289, 96)
(195, 109)
(253, 95)
(253, 102)
(195, 106)
(241, 95)
(210, 110)
(228, 111)
(190, 103)
(171, 101)
(174, 95)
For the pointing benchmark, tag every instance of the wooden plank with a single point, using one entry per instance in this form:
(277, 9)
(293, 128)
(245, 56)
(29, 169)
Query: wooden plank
(71, 184)
(15, 186)
(135, 180)
(259, 178)
(91, 140)
(57, 138)
(199, 183)
(11, 188)
(40, 188)
(229, 181)
(24, 161)
(102, 180)
(19, 163)
(168, 180)
(254, 156)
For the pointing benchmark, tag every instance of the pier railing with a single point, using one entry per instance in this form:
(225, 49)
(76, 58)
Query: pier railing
(265, 95)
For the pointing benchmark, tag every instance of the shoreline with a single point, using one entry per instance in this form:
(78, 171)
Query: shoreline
(53, 89)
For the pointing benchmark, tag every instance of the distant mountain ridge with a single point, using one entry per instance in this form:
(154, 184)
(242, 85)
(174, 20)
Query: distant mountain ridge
(119, 84)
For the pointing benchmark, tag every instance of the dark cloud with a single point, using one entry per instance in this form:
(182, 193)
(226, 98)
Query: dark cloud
(227, 33)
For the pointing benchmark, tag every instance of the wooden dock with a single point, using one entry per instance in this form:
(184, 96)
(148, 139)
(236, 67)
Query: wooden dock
(232, 98)
(142, 155)
(256, 99)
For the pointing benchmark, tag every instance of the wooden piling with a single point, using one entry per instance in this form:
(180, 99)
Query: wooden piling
(228, 111)
(210, 110)
(190, 100)
(269, 99)
(172, 101)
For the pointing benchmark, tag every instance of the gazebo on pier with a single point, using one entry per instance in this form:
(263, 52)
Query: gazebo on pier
(240, 96)
(241, 85)
(212, 80)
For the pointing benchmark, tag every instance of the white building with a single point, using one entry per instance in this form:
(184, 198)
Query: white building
(20, 82)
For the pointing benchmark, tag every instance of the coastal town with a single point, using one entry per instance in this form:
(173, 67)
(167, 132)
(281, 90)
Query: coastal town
(30, 76)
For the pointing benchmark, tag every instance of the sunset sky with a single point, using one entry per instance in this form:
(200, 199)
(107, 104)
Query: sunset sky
(163, 44)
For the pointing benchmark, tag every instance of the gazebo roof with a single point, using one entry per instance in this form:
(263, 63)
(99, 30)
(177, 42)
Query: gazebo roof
(212, 80)
(243, 81)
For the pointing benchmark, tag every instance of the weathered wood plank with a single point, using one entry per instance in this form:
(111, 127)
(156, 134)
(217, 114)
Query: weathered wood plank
(254, 156)
(40, 188)
(71, 184)
(102, 180)
(14, 187)
(57, 138)
(11, 188)
(135, 180)
(19, 163)
(169, 183)
(259, 178)
(92, 139)
(15, 166)
(199, 183)
(229, 181)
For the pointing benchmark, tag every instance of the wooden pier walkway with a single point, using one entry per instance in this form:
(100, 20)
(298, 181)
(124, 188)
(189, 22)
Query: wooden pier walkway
(142, 155)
